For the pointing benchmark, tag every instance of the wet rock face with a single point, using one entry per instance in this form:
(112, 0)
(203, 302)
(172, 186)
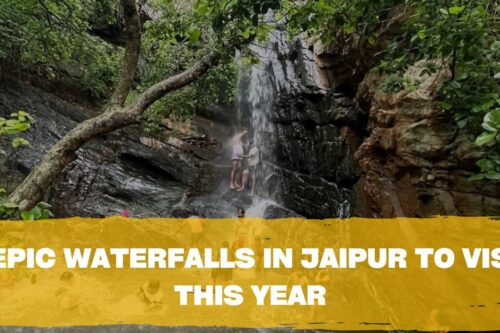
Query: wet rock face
(124, 169)
(316, 140)
(415, 161)
(312, 196)
(316, 135)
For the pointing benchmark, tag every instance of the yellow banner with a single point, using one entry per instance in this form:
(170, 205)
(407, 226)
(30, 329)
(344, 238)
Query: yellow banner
(353, 274)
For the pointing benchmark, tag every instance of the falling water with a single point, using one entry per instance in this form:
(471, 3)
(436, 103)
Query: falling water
(283, 66)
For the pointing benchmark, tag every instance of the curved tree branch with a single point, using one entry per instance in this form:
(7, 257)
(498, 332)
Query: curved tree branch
(160, 89)
(131, 57)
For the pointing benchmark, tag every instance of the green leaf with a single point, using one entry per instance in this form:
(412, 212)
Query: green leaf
(445, 105)
(462, 76)
(246, 33)
(492, 176)
(485, 138)
(462, 123)
(443, 11)
(37, 212)
(19, 142)
(27, 216)
(194, 35)
(43, 204)
(487, 105)
(456, 10)
(202, 9)
(488, 126)
(349, 29)
(476, 177)
(494, 117)
(9, 205)
(485, 165)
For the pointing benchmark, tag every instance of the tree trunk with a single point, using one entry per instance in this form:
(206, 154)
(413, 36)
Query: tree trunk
(131, 56)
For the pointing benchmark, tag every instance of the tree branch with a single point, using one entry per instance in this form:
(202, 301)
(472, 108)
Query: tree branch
(131, 57)
(160, 89)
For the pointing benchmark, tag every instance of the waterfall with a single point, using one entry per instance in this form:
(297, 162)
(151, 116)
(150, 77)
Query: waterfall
(283, 67)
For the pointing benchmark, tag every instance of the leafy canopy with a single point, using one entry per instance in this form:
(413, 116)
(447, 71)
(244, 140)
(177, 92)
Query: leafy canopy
(56, 38)
(50, 38)
(181, 35)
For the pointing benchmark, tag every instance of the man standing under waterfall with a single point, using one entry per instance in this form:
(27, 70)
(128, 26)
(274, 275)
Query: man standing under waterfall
(252, 161)
(236, 159)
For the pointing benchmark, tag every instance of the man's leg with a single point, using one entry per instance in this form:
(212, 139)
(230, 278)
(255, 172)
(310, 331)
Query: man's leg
(245, 175)
(253, 183)
(237, 178)
(233, 174)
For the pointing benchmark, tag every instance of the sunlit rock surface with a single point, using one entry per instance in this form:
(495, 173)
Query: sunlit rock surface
(415, 160)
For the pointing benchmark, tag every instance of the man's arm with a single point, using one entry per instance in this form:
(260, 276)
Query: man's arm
(251, 153)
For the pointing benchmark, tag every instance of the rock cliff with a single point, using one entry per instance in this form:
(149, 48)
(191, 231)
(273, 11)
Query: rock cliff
(415, 160)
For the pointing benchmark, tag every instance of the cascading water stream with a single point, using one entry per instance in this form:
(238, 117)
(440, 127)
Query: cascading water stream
(283, 67)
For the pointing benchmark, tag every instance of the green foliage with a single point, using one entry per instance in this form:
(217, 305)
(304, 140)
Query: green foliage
(461, 35)
(8, 210)
(180, 36)
(490, 166)
(464, 35)
(19, 142)
(40, 212)
(334, 20)
(11, 211)
(101, 68)
(49, 36)
(394, 83)
(54, 38)
(17, 123)
(232, 21)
